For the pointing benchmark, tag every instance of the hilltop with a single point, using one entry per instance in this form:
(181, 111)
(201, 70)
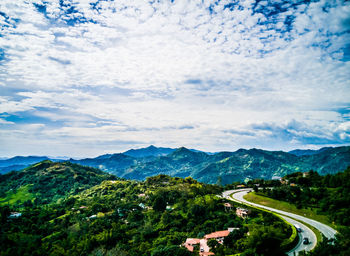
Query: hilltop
(47, 181)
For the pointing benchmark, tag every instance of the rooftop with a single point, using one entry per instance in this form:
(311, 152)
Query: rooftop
(217, 234)
(192, 241)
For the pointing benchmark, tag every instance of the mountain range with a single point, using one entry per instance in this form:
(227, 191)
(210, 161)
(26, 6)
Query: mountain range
(206, 167)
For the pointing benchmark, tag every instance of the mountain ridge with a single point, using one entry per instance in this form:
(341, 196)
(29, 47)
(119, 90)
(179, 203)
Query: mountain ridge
(239, 165)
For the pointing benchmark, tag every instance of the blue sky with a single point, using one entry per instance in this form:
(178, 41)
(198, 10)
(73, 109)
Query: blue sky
(85, 77)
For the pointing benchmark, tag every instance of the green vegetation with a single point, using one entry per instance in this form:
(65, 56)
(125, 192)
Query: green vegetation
(123, 217)
(18, 196)
(241, 165)
(68, 209)
(288, 207)
(289, 243)
(323, 198)
(316, 195)
(47, 182)
(236, 166)
(284, 206)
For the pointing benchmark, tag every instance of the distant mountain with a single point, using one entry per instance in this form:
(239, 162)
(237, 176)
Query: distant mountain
(240, 165)
(47, 181)
(149, 151)
(182, 162)
(328, 161)
(22, 160)
(307, 152)
(227, 166)
(115, 163)
(19, 162)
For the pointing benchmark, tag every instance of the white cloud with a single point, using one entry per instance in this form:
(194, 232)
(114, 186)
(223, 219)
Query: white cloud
(2, 121)
(176, 64)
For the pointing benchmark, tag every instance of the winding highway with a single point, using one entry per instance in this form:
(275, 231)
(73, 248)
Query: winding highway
(237, 196)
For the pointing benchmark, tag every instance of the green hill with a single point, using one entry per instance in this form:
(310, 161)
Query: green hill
(46, 182)
(132, 218)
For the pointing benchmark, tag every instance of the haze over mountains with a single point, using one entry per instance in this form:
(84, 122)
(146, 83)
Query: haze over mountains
(182, 162)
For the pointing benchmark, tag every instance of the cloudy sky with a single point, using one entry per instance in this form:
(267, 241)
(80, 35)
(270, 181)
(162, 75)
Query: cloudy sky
(88, 77)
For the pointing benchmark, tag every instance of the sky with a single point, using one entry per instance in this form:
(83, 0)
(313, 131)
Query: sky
(82, 78)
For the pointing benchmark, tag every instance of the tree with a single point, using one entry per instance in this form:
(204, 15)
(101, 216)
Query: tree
(212, 243)
(159, 203)
(4, 213)
(173, 250)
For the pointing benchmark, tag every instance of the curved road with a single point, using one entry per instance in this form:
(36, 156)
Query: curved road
(237, 195)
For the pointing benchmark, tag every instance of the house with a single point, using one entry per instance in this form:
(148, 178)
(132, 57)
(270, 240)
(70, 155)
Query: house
(228, 206)
(231, 229)
(306, 174)
(240, 186)
(142, 195)
(204, 249)
(242, 213)
(218, 235)
(284, 181)
(15, 215)
(190, 243)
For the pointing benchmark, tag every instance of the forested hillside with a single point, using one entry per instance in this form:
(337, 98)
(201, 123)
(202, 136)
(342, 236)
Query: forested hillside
(123, 217)
(46, 182)
(226, 167)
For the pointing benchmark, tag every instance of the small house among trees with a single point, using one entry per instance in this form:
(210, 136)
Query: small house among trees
(191, 242)
(242, 213)
(218, 236)
(228, 206)
(204, 249)
(15, 215)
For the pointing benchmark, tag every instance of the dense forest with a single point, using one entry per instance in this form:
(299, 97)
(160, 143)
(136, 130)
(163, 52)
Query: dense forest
(123, 217)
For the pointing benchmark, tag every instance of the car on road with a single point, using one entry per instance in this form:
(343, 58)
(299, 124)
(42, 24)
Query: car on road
(306, 240)
(298, 228)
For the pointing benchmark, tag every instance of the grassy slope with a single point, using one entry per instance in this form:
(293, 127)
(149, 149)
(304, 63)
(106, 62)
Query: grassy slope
(292, 240)
(21, 195)
(284, 206)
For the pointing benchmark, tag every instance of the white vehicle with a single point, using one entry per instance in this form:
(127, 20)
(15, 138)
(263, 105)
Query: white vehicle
(298, 228)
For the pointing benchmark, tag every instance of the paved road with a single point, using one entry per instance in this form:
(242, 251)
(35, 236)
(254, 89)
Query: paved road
(306, 232)
(324, 229)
